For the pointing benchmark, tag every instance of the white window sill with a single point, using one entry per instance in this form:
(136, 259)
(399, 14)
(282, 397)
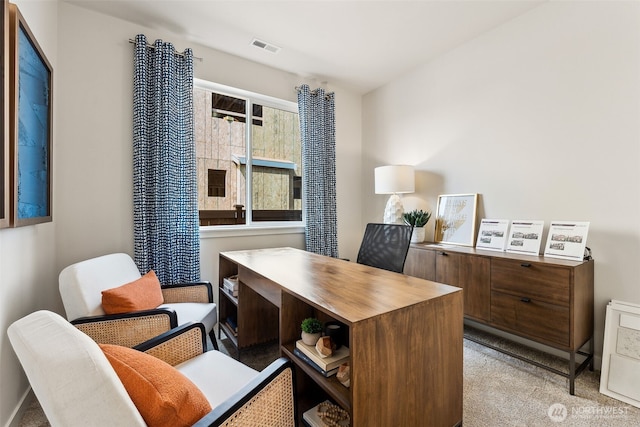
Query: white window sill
(265, 229)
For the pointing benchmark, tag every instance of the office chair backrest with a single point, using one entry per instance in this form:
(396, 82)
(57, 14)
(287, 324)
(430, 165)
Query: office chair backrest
(385, 246)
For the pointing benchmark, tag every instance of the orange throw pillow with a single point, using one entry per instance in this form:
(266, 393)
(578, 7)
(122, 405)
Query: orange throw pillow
(164, 396)
(142, 294)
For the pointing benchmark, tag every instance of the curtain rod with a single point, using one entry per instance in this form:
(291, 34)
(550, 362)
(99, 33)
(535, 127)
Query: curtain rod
(132, 41)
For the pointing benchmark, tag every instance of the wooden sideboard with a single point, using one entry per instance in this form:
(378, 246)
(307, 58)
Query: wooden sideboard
(404, 333)
(546, 300)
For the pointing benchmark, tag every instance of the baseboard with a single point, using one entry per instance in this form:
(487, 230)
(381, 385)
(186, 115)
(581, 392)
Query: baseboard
(18, 413)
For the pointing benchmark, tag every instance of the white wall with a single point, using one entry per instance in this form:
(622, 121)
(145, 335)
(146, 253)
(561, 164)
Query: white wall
(95, 149)
(92, 164)
(541, 117)
(27, 254)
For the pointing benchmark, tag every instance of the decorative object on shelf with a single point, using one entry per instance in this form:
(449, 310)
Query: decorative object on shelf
(493, 234)
(344, 374)
(311, 330)
(324, 347)
(418, 219)
(312, 418)
(456, 219)
(394, 180)
(230, 285)
(335, 330)
(31, 115)
(327, 365)
(233, 325)
(310, 362)
(525, 237)
(333, 415)
(567, 240)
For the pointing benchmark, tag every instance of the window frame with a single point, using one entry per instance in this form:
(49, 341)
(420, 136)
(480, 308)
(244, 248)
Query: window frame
(251, 227)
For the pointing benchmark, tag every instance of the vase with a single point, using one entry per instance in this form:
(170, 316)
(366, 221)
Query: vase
(310, 339)
(334, 330)
(417, 236)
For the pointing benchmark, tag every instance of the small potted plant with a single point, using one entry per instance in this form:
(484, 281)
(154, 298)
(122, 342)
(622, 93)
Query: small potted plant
(418, 219)
(311, 330)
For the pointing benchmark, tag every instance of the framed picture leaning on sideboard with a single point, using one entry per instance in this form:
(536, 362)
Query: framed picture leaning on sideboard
(456, 219)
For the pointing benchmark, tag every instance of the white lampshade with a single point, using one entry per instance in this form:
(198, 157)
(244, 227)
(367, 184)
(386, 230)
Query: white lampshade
(394, 179)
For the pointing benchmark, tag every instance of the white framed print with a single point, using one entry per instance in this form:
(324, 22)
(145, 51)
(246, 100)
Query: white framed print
(492, 234)
(456, 219)
(567, 239)
(525, 237)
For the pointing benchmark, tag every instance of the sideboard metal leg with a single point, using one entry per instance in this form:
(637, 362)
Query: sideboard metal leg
(572, 372)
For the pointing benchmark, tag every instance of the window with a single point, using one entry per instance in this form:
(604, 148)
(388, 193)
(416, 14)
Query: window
(216, 183)
(246, 174)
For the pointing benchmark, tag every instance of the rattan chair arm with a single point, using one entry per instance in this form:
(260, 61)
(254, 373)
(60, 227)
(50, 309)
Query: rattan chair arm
(268, 401)
(188, 292)
(177, 345)
(127, 329)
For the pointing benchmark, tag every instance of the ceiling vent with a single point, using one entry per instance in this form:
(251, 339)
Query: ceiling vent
(265, 46)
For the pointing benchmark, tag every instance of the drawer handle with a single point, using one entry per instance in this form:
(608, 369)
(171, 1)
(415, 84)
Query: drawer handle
(444, 254)
(525, 299)
(525, 264)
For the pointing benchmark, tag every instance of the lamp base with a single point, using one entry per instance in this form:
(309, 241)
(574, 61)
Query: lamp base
(394, 210)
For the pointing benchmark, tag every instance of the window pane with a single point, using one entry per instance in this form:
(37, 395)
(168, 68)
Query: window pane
(220, 138)
(277, 165)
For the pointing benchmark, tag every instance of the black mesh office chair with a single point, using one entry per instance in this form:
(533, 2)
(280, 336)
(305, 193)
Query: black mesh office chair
(385, 246)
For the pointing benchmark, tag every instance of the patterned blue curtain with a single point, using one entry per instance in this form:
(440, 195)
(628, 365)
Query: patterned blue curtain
(165, 188)
(318, 131)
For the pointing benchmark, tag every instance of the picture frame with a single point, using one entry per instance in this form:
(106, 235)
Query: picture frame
(567, 240)
(456, 219)
(30, 135)
(5, 210)
(492, 235)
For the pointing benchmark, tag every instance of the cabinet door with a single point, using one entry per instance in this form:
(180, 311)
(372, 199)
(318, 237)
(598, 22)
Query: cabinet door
(421, 263)
(472, 274)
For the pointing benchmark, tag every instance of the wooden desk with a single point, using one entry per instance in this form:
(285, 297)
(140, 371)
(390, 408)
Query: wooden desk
(405, 333)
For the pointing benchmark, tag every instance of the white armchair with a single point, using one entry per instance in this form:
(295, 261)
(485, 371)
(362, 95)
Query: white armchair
(77, 385)
(81, 286)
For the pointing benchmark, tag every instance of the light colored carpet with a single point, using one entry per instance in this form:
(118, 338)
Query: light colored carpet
(503, 391)
(498, 391)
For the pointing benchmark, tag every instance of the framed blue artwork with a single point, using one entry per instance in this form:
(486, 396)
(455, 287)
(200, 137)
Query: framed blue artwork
(4, 116)
(30, 130)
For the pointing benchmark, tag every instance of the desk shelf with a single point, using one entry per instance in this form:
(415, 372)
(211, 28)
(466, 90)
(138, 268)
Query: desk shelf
(336, 391)
(259, 328)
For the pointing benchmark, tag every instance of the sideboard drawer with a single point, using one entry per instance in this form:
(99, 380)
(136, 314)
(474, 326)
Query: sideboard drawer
(533, 280)
(547, 323)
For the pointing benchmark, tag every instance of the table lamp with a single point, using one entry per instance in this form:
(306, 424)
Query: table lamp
(394, 180)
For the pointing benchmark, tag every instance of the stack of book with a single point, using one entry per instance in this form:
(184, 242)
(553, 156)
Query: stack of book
(230, 285)
(311, 418)
(233, 325)
(327, 366)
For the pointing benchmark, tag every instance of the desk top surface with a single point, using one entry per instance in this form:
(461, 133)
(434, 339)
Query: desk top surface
(350, 291)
